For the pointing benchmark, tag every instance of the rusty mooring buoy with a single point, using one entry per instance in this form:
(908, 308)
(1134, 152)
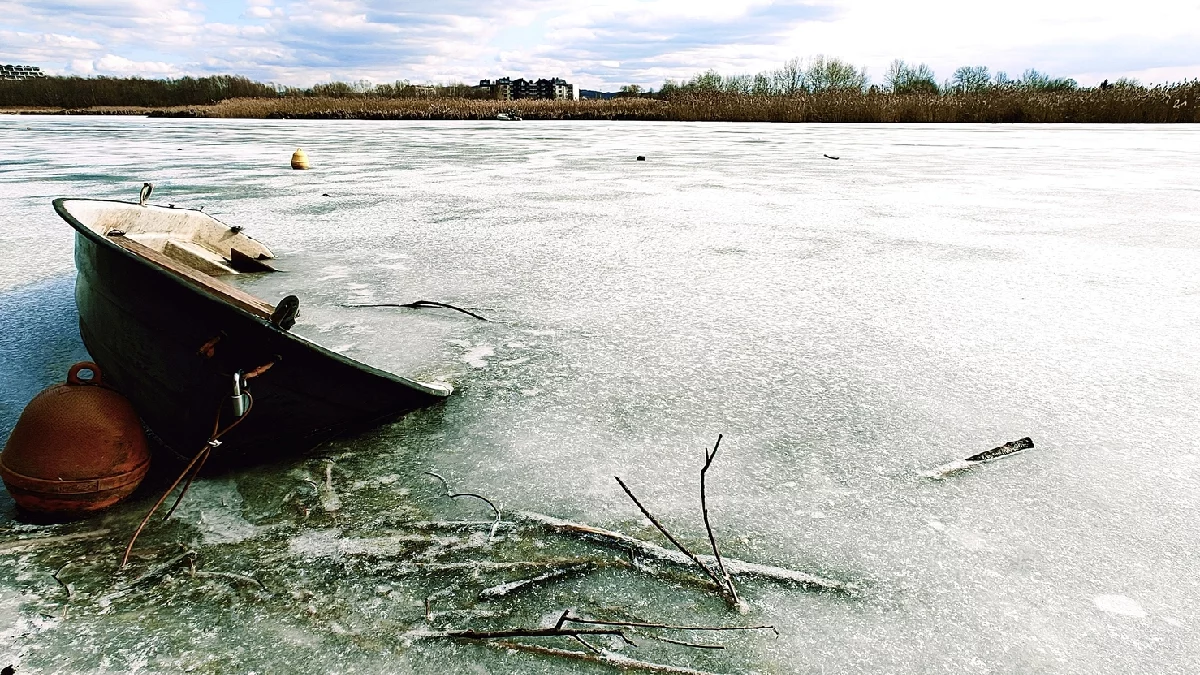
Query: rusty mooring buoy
(78, 447)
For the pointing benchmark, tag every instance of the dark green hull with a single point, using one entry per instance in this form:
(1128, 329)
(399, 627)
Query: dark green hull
(146, 327)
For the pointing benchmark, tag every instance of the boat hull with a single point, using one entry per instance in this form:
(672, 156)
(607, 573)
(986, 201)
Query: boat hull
(172, 349)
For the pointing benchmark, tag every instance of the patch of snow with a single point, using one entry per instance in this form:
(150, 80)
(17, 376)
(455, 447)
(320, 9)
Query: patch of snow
(1119, 604)
(214, 507)
(476, 357)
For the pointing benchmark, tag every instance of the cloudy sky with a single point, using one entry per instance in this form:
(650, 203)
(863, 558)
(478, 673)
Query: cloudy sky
(595, 44)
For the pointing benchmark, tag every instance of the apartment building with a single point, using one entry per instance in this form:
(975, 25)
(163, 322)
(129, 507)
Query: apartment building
(10, 72)
(508, 89)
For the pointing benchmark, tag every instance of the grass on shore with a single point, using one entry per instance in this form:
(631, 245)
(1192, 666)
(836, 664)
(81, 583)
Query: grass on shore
(1165, 104)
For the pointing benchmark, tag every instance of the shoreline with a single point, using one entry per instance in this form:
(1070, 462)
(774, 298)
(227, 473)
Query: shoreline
(94, 110)
(1091, 106)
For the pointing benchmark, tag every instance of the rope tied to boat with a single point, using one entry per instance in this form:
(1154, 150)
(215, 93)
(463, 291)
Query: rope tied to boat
(193, 468)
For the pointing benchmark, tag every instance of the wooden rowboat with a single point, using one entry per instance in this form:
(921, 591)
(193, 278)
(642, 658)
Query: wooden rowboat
(177, 340)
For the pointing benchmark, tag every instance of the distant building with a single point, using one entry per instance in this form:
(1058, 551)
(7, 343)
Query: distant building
(8, 72)
(507, 89)
(591, 93)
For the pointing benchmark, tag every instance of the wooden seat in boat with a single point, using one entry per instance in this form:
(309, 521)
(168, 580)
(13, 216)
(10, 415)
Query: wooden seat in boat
(190, 237)
(189, 243)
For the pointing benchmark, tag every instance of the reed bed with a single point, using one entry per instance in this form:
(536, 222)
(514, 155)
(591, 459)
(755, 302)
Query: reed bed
(1178, 103)
(369, 108)
(1168, 104)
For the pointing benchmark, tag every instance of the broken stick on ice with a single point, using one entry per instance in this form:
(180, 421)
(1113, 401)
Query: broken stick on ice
(720, 577)
(454, 495)
(1006, 450)
(645, 549)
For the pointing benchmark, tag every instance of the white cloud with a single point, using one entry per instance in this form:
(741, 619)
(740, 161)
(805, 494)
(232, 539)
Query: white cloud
(119, 65)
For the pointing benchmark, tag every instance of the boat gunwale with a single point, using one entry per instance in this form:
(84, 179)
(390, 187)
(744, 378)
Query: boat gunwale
(65, 213)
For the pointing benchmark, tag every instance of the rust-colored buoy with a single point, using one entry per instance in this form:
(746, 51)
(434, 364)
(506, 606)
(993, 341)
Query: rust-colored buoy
(299, 159)
(77, 448)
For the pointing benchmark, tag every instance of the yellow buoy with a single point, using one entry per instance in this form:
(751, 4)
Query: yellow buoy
(299, 159)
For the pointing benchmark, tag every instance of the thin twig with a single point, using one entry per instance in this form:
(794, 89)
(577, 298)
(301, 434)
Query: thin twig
(505, 589)
(562, 619)
(494, 565)
(159, 571)
(708, 459)
(230, 576)
(585, 643)
(59, 579)
(329, 500)
(419, 304)
(39, 541)
(450, 525)
(641, 624)
(608, 659)
(523, 521)
(524, 632)
(697, 645)
(656, 552)
(683, 549)
(454, 495)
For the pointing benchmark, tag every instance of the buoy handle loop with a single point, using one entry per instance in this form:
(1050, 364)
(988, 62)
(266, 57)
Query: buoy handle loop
(73, 373)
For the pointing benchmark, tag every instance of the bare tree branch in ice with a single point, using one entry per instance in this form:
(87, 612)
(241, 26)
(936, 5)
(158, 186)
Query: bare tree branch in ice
(615, 660)
(419, 304)
(654, 551)
(683, 549)
(525, 632)
(567, 618)
(524, 520)
(1007, 450)
(729, 587)
(512, 586)
(685, 643)
(454, 495)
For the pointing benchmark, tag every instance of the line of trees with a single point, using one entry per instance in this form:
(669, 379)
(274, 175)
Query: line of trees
(819, 75)
(88, 92)
(823, 74)
(397, 89)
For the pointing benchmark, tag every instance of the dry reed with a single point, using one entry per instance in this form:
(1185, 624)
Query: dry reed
(1178, 103)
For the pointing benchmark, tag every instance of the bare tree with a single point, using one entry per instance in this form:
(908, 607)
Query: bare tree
(833, 74)
(761, 85)
(738, 84)
(901, 78)
(789, 79)
(971, 78)
(1032, 79)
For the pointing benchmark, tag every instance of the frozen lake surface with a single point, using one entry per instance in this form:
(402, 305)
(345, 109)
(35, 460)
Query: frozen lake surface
(847, 325)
